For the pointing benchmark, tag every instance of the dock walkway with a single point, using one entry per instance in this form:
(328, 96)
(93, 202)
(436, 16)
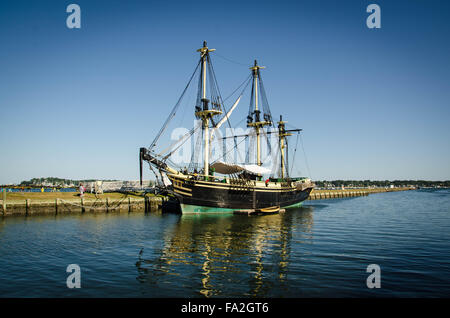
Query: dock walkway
(346, 193)
(66, 205)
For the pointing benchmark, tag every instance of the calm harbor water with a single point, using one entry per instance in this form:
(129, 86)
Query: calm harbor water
(319, 250)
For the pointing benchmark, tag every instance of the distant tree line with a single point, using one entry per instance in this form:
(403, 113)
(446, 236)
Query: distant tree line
(56, 181)
(381, 183)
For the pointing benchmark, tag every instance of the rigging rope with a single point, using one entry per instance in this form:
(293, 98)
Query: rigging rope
(286, 161)
(229, 60)
(93, 207)
(295, 152)
(243, 139)
(172, 145)
(247, 80)
(172, 114)
(269, 145)
(306, 159)
(222, 103)
(265, 102)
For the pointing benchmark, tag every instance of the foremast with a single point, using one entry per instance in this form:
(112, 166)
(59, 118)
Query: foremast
(205, 113)
(205, 110)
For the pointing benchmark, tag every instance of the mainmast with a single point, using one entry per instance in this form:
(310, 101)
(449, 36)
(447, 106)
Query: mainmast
(282, 134)
(256, 121)
(205, 114)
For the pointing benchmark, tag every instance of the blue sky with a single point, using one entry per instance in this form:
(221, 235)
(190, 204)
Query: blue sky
(78, 103)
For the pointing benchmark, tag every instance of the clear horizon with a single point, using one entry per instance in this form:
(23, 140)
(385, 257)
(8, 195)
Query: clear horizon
(79, 103)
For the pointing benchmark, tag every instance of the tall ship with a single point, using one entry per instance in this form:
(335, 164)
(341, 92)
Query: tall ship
(223, 183)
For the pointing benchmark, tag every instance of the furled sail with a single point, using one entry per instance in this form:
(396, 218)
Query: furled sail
(165, 179)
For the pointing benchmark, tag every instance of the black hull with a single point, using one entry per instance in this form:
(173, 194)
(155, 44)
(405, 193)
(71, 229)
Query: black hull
(224, 197)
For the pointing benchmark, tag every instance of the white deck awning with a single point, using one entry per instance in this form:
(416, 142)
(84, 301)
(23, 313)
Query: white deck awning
(228, 168)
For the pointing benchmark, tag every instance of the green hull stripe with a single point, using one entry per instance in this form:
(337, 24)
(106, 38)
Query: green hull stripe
(187, 208)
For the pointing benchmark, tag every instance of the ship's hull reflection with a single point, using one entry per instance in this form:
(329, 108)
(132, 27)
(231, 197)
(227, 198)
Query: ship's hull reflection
(228, 255)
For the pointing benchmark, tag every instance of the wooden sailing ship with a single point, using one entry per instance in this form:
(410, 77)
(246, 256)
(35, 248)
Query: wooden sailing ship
(222, 186)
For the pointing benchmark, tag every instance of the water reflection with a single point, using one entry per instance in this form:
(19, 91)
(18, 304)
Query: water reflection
(215, 255)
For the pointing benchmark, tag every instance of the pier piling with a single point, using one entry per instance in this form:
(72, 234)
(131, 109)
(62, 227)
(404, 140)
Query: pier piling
(27, 206)
(4, 201)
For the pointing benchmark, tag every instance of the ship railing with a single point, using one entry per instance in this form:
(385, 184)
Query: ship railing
(236, 183)
(210, 178)
(240, 184)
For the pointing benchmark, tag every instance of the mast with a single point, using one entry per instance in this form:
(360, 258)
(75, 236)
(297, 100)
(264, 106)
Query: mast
(257, 123)
(282, 133)
(205, 114)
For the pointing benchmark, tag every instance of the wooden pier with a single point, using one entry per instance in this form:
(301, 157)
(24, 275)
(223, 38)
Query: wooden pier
(347, 193)
(335, 194)
(67, 203)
